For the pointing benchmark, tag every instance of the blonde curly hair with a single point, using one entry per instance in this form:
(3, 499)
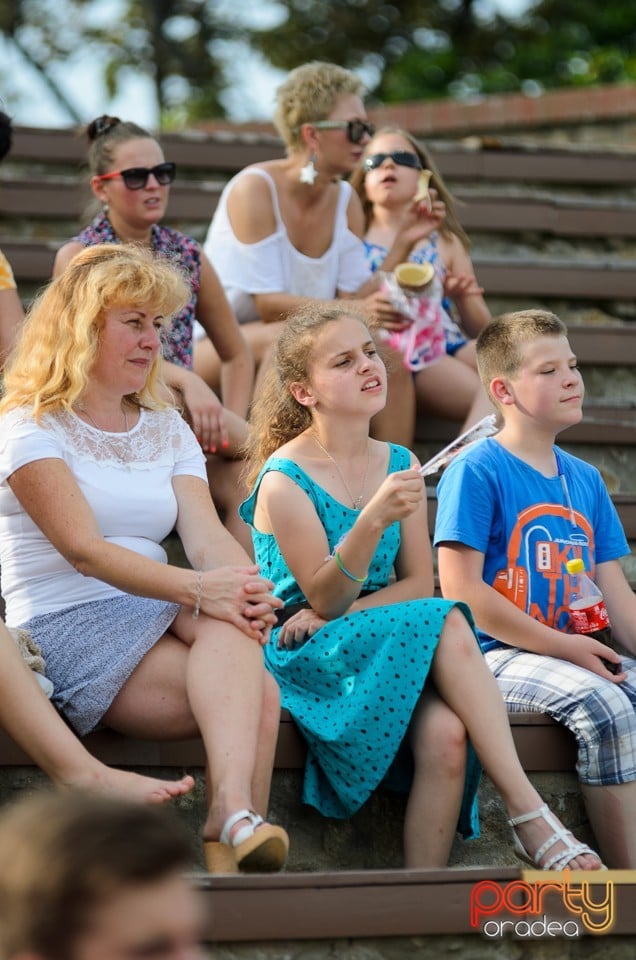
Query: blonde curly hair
(50, 365)
(309, 94)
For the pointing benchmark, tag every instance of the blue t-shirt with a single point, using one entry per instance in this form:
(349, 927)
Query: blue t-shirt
(528, 525)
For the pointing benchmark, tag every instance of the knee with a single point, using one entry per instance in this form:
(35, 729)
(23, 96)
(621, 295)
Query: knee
(604, 712)
(458, 634)
(442, 741)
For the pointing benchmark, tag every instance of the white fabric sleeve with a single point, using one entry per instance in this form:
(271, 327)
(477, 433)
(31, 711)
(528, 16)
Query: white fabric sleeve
(189, 457)
(22, 441)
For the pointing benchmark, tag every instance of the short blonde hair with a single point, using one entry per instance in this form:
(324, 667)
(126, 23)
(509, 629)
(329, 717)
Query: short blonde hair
(50, 365)
(500, 345)
(309, 94)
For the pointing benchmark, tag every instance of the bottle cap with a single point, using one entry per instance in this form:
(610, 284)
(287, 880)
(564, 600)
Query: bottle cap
(575, 566)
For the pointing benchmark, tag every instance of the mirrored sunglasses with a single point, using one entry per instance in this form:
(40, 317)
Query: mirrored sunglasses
(401, 158)
(136, 178)
(356, 129)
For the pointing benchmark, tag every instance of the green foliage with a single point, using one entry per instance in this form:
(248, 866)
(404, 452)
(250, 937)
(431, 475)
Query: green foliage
(428, 49)
(407, 49)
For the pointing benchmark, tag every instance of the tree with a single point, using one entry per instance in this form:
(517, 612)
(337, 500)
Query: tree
(418, 50)
(170, 41)
(414, 49)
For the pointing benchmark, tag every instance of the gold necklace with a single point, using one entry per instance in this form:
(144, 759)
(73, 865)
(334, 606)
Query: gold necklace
(356, 501)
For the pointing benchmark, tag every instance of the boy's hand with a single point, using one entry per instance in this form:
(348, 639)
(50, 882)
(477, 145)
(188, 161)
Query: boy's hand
(592, 655)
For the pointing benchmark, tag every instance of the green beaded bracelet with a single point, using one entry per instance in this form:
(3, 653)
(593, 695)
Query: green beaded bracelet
(346, 572)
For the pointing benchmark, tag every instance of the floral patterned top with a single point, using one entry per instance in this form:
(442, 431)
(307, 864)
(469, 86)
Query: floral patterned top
(182, 250)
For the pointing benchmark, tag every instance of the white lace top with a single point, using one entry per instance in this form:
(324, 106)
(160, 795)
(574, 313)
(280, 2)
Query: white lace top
(274, 265)
(125, 477)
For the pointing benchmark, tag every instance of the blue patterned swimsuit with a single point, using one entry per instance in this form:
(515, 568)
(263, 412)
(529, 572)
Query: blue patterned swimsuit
(429, 253)
(181, 250)
(352, 687)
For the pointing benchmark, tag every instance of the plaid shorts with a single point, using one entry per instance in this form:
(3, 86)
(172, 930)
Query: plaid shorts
(600, 714)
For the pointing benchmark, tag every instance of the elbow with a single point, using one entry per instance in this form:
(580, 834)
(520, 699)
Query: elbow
(82, 565)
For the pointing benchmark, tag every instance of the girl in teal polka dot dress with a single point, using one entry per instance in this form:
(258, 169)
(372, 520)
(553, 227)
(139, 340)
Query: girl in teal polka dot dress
(385, 681)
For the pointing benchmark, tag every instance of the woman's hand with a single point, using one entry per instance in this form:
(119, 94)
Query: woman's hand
(205, 413)
(299, 628)
(239, 595)
(399, 495)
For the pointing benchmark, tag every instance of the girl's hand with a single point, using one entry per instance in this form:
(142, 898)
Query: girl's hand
(206, 414)
(421, 219)
(380, 312)
(399, 495)
(295, 631)
(239, 595)
(458, 285)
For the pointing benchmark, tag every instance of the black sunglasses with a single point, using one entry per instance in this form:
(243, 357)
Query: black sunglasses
(356, 129)
(402, 158)
(136, 178)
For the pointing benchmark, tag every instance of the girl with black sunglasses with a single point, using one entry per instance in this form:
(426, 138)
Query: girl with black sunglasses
(387, 184)
(131, 179)
(290, 230)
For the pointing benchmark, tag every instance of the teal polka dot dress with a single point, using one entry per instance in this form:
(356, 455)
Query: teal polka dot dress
(353, 686)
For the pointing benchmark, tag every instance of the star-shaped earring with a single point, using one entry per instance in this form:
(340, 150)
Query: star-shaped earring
(309, 173)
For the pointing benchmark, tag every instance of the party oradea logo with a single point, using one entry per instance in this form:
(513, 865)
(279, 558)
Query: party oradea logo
(565, 904)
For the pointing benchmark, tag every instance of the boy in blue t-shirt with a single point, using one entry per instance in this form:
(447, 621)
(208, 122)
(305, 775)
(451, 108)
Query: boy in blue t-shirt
(512, 509)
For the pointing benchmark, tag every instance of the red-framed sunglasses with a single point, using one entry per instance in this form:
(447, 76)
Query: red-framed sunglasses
(136, 178)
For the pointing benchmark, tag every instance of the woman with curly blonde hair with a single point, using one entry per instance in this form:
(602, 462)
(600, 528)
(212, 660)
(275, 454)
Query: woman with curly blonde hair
(95, 471)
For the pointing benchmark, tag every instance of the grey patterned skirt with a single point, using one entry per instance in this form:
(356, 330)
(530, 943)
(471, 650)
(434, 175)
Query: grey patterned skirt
(91, 649)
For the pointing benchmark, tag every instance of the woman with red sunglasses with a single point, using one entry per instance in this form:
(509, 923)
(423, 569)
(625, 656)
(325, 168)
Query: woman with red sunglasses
(131, 179)
(289, 231)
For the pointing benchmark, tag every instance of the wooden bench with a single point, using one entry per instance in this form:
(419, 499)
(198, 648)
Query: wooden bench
(542, 744)
(223, 150)
(409, 904)
(64, 198)
(598, 280)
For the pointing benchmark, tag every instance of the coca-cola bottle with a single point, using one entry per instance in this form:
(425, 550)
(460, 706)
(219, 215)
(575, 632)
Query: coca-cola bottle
(587, 608)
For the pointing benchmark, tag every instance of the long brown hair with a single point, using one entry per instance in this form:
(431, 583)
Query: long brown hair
(451, 223)
(278, 417)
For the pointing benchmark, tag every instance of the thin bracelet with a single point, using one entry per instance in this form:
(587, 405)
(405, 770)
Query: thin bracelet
(346, 572)
(197, 601)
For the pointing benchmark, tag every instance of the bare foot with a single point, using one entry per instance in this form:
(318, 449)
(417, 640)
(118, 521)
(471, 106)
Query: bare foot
(541, 828)
(130, 786)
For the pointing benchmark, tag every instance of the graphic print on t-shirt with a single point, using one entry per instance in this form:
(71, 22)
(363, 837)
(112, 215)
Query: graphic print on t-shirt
(543, 537)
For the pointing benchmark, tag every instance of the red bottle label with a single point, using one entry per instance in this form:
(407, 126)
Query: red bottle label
(589, 619)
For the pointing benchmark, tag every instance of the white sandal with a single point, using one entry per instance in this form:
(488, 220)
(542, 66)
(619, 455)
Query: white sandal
(571, 846)
(257, 847)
